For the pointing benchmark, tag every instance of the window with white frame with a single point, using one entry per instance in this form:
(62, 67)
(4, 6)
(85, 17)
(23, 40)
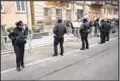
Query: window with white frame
(47, 15)
(58, 13)
(2, 6)
(47, 11)
(68, 14)
(104, 10)
(21, 6)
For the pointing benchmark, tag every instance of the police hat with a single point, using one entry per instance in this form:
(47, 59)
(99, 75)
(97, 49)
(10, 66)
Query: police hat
(18, 23)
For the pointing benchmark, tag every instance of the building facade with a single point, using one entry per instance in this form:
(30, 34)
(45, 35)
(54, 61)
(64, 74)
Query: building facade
(48, 12)
(103, 10)
(12, 11)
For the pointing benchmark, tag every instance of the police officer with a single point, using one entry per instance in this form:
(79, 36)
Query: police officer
(18, 37)
(84, 30)
(101, 32)
(105, 30)
(59, 31)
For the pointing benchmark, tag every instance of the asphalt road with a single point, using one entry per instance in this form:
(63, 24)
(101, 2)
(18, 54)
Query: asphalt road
(100, 62)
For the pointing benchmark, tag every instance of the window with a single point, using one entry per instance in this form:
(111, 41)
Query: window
(46, 12)
(79, 14)
(68, 14)
(104, 10)
(2, 7)
(115, 2)
(115, 12)
(21, 6)
(47, 16)
(58, 13)
(108, 12)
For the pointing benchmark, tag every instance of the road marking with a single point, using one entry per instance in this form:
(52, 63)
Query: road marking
(39, 61)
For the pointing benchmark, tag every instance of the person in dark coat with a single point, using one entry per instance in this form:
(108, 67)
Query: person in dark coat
(101, 33)
(96, 25)
(105, 30)
(18, 37)
(84, 30)
(59, 31)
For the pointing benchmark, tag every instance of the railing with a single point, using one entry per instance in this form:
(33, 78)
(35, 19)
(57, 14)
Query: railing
(6, 44)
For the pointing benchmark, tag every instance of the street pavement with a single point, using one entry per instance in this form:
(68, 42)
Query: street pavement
(100, 62)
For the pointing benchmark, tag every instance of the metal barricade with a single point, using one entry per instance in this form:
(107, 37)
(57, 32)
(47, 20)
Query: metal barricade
(6, 44)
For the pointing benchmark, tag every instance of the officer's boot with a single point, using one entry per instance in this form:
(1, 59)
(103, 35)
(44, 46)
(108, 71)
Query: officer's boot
(18, 69)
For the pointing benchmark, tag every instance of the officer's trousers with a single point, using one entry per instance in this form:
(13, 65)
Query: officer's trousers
(56, 42)
(84, 39)
(102, 37)
(19, 51)
(107, 36)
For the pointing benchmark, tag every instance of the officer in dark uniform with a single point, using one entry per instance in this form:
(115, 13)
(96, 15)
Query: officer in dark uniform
(59, 31)
(101, 32)
(18, 37)
(105, 29)
(84, 30)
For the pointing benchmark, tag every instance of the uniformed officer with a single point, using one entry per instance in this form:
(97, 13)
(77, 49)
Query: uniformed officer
(18, 37)
(101, 32)
(59, 31)
(105, 29)
(84, 30)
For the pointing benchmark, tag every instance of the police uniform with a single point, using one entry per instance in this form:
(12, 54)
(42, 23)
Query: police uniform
(105, 29)
(59, 31)
(18, 37)
(101, 33)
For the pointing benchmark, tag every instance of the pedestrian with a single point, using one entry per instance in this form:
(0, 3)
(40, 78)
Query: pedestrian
(59, 31)
(107, 30)
(84, 30)
(18, 37)
(96, 25)
(101, 32)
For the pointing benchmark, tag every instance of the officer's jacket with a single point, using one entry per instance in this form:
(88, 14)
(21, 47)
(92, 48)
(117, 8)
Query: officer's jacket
(59, 30)
(105, 27)
(18, 36)
(84, 29)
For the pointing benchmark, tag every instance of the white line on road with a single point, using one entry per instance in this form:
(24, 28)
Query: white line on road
(39, 61)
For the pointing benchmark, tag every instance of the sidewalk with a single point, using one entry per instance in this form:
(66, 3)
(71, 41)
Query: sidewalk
(45, 40)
